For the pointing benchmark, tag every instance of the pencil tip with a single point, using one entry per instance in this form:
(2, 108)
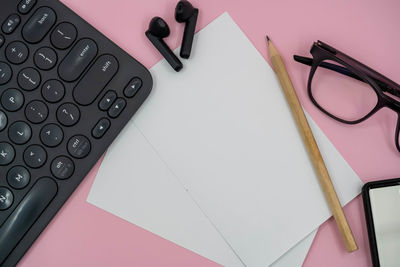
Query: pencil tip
(267, 38)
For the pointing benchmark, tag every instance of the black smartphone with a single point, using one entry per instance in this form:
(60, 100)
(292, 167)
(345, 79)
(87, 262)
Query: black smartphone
(382, 213)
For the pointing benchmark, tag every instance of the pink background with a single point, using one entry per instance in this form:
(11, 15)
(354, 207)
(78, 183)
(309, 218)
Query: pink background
(83, 235)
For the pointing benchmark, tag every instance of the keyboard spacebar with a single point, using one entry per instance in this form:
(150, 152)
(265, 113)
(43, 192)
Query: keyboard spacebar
(26, 213)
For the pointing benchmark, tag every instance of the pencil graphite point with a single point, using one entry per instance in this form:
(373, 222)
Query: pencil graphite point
(267, 38)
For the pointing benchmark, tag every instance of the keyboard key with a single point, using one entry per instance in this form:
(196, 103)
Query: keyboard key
(29, 79)
(78, 146)
(68, 114)
(12, 99)
(17, 52)
(75, 63)
(5, 73)
(19, 132)
(45, 58)
(117, 108)
(107, 100)
(63, 35)
(6, 199)
(51, 135)
(101, 128)
(133, 87)
(94, 81)
(62, 167)
(2, 40)
(39, 25)
(53, 91)
(25, 6)
(25, 214)
(18, 177)
(35, 156)
(7, 153)
(36, 111)
(3, 120)
(11, 23)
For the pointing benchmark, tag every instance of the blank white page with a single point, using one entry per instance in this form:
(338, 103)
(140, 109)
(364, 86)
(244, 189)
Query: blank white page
(141, 189)
(223, 127)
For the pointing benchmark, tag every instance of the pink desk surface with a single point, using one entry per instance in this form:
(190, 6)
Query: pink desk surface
(83, 235)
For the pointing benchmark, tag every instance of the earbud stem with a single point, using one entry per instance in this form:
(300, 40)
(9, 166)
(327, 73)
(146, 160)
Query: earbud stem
(188, 35)
(165, 51)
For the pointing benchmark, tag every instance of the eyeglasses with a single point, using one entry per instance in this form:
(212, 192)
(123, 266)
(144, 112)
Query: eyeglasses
(355, 95)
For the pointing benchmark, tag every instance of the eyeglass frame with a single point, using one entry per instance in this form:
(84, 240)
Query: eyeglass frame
(321, 52)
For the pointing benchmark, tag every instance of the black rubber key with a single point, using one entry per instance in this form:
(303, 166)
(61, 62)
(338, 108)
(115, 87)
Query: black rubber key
(2, 40)
(18, 177)
(11, 23)
(117, 108)
(35, 156)
(25, 6)
(6, 199)
(133, 87)
(101, 128)
(68, 114)
(45, 58)
(29, 79)
(78, 146)
(19, 132)
(107, 100)
(36, 111)
(63, 35)
(7, 153)
(39, 25)
(12, 99)
(51, 135)
(5, 73)
(25, 214)
(75, 63)
(17, 52)
(94, 81)
(62, 167)
(3, 120)
(53, 91)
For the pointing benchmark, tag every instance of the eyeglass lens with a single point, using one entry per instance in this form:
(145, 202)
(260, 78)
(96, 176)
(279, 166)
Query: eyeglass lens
(341, 96)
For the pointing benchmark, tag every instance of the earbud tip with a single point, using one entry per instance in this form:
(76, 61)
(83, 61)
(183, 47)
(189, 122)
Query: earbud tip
(159, 27)
(183, 10)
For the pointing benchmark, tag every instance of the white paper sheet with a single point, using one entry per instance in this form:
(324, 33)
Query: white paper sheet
(214, 155)
(146, 193)
(297, 254)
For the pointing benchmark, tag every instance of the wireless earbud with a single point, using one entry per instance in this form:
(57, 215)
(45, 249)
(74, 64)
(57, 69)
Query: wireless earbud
(185, 12)
(158, 29)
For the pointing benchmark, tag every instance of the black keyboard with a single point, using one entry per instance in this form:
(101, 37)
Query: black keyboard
(66, 91)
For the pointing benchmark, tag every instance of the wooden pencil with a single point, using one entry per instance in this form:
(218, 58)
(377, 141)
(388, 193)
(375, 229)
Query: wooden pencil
(312, 148)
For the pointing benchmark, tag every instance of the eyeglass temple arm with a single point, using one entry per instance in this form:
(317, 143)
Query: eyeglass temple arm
(342, 70)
